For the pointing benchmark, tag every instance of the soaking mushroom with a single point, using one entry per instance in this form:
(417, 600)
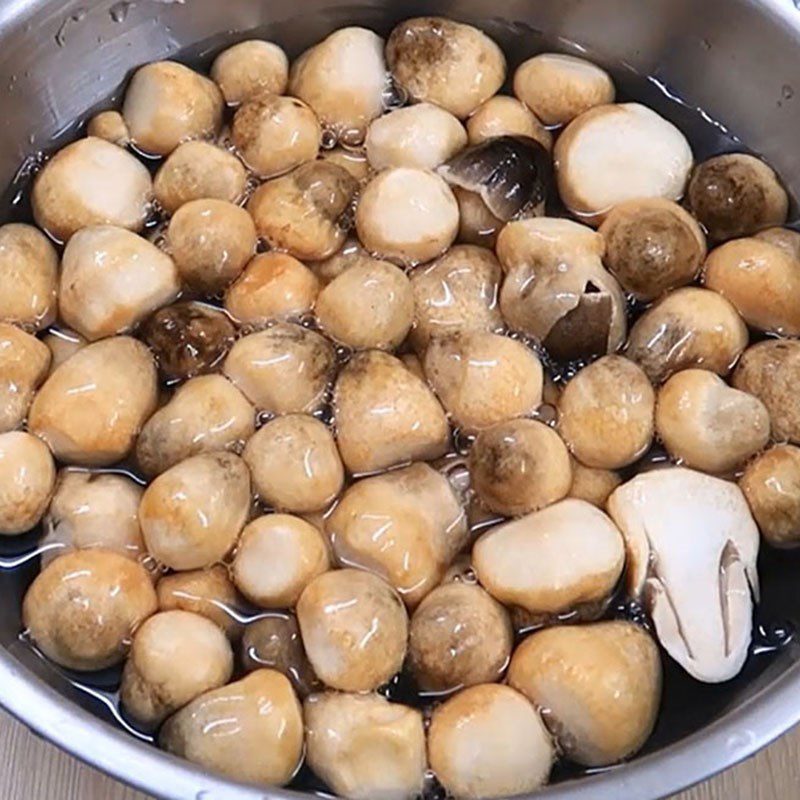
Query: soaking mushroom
(273, 286)
(692, 547)
(422, 136)
(405, 525)
(690, 327)
(27, 477)
(477, 225)
(385, 415)
(761, 280)
(771, 484)
(600, 685)
(430, 57)
(407, 215)
(343, 78)
(248, 67)
(197, 170)
(91, 509)
(250, 730)
(519, 466)
(523, 564)
(786, 239)
(167, 103)
(295, 464)
(211, 241)
(354, 628)
(556, 289)
(736, 194)
(593, 485)
(353, 161)
(187, 339)
(302, 212)
(606, 413)
(558, 87)
(28, 275)
(365, 747)
(206, 413)
(24, 362)
(652, 246)
(370, 305)
(109, 125)
(484, 378)
(614, 153)
(73, 189)
(285, 369)
(192, 514)
(92, 407)
(152, 688)
(459, 636)
(771, 372)
(83, 608)
(489, 741)
(457, 293)
(708, 425)
(63, 344)
(111, 279)
(273, 641)
(506, 116)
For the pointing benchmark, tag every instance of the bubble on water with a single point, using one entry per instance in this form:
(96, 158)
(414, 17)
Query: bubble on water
(394, 96)
(462, 442)
(329, 139)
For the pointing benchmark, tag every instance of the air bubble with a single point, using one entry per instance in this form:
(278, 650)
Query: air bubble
(329, 139)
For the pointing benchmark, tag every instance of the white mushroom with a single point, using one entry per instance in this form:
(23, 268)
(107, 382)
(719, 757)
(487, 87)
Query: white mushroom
(109, 125)
(692, 547)
(24, 362)
(27, 477)
(506, 116)
(248, 67)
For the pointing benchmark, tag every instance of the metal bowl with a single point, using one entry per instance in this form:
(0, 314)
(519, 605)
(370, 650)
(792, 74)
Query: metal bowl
(727, 60)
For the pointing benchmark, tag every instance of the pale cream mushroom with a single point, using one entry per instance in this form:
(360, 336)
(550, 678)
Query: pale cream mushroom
(302, 212)
(365, 747)
(210, 241)
(354, 161)
(506, 116)
(422, 136)
(692, 546)
(73, 190)
(370, 305)
(484, 378)
(152, 688)
(250, 730)
(690, 327)
(29, 277)
(206, 413)
(63, 344)
(489, 741)
(82, 609)
(405, 525)
(519, 466)
(295, 464)
(285, 369)
(786, 239)
(352, 253)
(385, 415)
(593, 485)
(192, 514)
(27, 478)
(343, 78)
(199, 170)
(90, 410)
(167, 103)
(273, 286)
(551, 561)
(736, 194)
(771, 484)
(614, 153)
(407, 216)
(248, 67)
(606, 413)
(24, 362)
(111, 279)
(559, 87)
(354, 628)
(431, 57)
(599, 687)
(109, 125)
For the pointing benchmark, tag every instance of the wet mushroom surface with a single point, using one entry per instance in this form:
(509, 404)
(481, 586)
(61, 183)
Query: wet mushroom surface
(401, 415)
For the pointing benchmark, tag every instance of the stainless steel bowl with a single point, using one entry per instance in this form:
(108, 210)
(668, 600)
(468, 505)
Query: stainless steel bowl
(736, 60)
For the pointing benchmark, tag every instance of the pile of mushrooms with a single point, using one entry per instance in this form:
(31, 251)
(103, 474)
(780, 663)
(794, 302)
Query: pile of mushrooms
(335, 397)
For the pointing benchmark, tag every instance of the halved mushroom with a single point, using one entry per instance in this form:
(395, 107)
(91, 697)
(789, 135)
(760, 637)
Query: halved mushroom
(506, 116)
(405, 525)
(27, 477)
(24, 362)
(614, 153)
(109, 125)
(248, 67)
(692, 546)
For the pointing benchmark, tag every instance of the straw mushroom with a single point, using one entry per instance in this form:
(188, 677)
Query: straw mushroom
(593, 485)
(506, 116)
(109, 125)
(477, 225)
(24, 362)
(786, 239)
(249, 67)
(27, 478)
(353, 161)
(63, 344)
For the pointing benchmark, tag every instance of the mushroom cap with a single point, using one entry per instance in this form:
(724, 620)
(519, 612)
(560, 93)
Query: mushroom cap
(592, 485)
(787, 239)
(692, 546)
(248, 67)
(477, 225)
(353, 161)
(24, 362)
(27, 478)
(109, 125)
(506, 116)
(62, 343)
(614, 153)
